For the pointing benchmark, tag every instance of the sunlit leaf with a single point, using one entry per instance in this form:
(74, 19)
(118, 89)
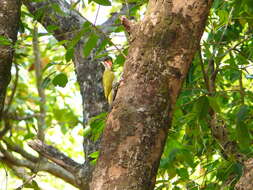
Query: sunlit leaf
(5, 41)
(213, 102)
(94, 154)
(102, 2)
(60, 80)
(51, 28)
(242, 130)
(69, 54)
(90, 44)
(201, 107)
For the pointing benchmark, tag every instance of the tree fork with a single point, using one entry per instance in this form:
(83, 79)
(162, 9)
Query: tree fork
(161, 50)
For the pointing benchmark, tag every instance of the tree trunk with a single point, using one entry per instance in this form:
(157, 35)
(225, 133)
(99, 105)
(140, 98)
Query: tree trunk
(246, 180)
(162, 47)
(9, 20)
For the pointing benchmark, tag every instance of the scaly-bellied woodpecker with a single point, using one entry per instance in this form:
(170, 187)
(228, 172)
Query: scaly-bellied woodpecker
(108, 79)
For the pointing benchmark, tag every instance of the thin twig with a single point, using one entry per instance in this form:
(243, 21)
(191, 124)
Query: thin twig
(242, 92)
(206, 79)
(97, 15)
(13, 89)
(232, 48)
(6, 128)
(13, 116)
(108, 38)
(226, 26)
(27, 181)
(41, 91)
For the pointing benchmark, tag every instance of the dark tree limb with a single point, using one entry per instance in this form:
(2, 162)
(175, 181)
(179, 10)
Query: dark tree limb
(9, 19)
(55, 156)
(68, 22)
(7, 157)
(82, 172)
(14, 116)
(21, 151)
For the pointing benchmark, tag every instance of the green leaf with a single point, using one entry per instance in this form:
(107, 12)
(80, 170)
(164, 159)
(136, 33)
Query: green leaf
(119, 61)
(201, 107)
(29, 136)
(102, 46)
(214, 103)
(91, 43)
(5, 41)
(243, 137)
(50, 65)
(69, 54)
(64, 129)
(60, 80)
(183, 173)
(71, 44)
(242, 131)
(45, 82)
(86, 131)
(32, 185)
(242, 113)
(66, 118)
(102, 2)
(38, 14)
(94, 154)
(79, 35)
(223, 14)
(58, 9)
(51, 28)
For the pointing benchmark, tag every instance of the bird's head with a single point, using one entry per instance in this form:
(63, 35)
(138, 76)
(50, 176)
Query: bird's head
(107, 62)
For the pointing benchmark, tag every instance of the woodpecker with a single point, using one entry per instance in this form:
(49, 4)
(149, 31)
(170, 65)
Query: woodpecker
(108, 79)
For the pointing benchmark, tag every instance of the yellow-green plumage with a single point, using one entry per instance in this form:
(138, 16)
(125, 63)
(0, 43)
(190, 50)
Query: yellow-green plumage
(108, 78)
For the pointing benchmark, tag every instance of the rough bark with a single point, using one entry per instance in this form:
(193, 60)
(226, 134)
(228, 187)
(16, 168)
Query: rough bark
(161, 50)
(246, 181)
(9, 21)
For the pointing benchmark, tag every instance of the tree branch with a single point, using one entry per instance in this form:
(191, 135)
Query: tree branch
(82, 172)
(55, 156)
(205, 76)
(44, 166)
(22, 174)
(41, 91)
(66, 19)
(21, 151)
